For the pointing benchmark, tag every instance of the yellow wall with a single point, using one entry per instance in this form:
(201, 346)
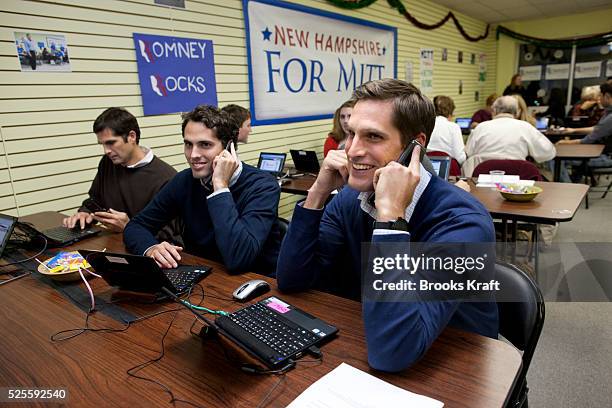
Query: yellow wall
(575, 25)
(46, 118)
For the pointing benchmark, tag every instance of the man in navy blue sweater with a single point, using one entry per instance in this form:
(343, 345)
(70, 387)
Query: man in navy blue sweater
(228, 208)
(322, 247)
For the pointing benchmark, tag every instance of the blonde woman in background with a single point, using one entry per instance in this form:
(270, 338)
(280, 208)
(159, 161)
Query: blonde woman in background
(589, 106)
(523, 114)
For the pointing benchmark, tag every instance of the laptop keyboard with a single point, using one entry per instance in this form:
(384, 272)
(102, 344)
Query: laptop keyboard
(63, 234)
(184, 276)
(264, 325)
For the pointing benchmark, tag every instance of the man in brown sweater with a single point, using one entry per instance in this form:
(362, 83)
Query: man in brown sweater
(128, 175)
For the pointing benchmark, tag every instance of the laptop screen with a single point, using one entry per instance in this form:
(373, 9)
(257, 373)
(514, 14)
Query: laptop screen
(441, 165)
(542, 123)
(305, 160)
(272, 162)
(464, 123)
(6, 228)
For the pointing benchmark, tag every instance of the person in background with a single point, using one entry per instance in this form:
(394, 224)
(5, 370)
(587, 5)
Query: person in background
(30, 49)
(589, 106)
(556, 107)
(516, 86)
(335, 138)
(532, 94)
(128, 176)
(600, 133)
(482, 115)
(229, 208)
(506, 137)
(46, 56)
(242, 117)
(523, 114)
(446, 136)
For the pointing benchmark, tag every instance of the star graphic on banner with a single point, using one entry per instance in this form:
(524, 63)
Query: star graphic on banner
(266, 34)
(384, 50)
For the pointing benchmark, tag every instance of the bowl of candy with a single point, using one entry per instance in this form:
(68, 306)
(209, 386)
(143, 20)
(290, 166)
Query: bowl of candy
(518, 192)
(64, 266)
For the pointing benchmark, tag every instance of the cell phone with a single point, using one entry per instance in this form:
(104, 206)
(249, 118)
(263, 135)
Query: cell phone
(94, 206)
(406, 155)
(404, 160)
(208, 182)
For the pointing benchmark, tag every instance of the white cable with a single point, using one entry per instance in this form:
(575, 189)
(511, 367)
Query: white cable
(91, 295)
(91, 273)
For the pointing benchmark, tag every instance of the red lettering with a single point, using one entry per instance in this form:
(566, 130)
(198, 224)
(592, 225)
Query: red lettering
(303, 39)
(361, 47)
(329, 45)
(279, 33)
(290, 37)
(339, 45)
(318, 41)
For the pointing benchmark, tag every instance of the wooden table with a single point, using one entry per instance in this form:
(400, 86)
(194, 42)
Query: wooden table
(461, 369)
(555, 135)
(558, 202)
(298, 185)
(581, 152)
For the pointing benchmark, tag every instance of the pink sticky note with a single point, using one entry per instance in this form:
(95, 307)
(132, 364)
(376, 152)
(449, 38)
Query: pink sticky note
(278, 307)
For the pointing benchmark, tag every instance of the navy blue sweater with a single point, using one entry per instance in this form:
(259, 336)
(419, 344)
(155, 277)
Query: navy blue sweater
(237, 228)
(323, 249)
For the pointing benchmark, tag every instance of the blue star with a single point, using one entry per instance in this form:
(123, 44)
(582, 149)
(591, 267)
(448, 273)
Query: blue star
(266, 34)
(384, 50)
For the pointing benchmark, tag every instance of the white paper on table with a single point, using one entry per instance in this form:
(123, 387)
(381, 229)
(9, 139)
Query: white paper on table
(484, 180)
(347, 387)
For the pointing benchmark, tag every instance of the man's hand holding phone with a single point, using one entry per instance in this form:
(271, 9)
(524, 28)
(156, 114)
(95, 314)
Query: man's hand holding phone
(165, 254)
(392, 198)
(113, 220)
(333, 174)
(224, 166)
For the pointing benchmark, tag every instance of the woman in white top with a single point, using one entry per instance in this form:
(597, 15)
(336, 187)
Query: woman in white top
(446, 136)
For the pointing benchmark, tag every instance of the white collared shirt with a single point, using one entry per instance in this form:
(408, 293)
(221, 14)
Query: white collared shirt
(232, 181)
(148, 157)
(446, 137)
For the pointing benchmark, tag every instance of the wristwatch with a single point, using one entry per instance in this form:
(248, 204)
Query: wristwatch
(398, 225)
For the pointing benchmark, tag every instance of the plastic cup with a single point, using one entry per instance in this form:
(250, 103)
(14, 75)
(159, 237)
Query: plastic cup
(497, 176)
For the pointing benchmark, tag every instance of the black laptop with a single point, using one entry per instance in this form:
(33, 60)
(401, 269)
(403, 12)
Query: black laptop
(58, 236)
(7, 223)
(441, 165)
(305, 161)
(272, 163)
(272, 330)
(142, 274)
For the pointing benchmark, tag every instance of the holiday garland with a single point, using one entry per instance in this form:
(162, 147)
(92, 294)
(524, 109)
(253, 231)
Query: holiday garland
(397, 4)
(402, 10)
(352, 4)
(597, 39)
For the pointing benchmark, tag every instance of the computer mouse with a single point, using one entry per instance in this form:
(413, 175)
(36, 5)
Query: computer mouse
(249, 290)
